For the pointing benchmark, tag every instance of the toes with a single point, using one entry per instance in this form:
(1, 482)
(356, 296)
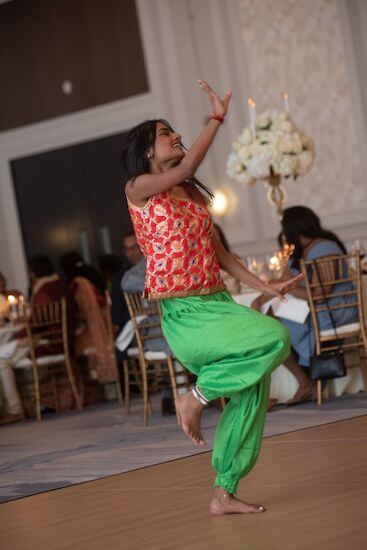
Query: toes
(260, 509)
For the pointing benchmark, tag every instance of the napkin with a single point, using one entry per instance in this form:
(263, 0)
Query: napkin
(126, 335)
(7, 350)
(294, 309)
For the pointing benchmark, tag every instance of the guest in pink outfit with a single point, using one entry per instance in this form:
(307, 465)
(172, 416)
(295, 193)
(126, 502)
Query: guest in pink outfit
(92, 337)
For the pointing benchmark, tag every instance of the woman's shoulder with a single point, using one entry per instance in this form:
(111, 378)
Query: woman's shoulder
(323, 247)
(81, 282)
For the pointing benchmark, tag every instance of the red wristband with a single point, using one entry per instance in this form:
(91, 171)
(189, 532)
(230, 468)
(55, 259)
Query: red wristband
(218, 118)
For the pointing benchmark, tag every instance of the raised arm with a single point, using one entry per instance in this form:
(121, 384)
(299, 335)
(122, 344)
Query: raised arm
(147, 185)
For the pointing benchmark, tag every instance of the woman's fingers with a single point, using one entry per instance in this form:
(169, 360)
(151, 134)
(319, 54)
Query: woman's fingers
(227, 97)
(291, 283)
(205, 86)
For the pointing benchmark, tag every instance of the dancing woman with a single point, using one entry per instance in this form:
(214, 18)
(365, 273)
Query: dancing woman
(230, 348)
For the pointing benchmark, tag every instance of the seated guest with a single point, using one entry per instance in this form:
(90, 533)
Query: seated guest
(131, 249)
(46, 286)
(302, 228)
(92, 336)
(109, 265)
(133, 255)
(133, 281)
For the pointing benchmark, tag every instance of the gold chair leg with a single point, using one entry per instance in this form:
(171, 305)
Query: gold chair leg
(137, 375)
(74, 389)
(127, 385)
(37, 395)
(222, 403)
(118, 391)
(319, 392)
(54, 392)
(146, 404)
(363, 363)
(172, 375)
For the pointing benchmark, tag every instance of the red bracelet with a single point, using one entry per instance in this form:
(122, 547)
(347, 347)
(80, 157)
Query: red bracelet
(218, 118)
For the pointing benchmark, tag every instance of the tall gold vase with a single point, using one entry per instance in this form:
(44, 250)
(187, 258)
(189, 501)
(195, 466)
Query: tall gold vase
(276, 193)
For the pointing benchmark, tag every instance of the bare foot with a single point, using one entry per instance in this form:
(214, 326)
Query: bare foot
(303, 394)
(225, 503)
(189, 410)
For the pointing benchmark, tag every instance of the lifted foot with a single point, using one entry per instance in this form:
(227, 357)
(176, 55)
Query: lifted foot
(189, 410)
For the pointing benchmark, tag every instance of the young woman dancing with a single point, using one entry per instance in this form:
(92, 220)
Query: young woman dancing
(231, 349)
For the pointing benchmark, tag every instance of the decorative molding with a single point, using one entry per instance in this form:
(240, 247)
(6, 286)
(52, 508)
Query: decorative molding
(300, 42)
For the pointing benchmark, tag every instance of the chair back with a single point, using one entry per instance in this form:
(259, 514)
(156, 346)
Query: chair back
(324, 278)
(46, 326)
(145, 315)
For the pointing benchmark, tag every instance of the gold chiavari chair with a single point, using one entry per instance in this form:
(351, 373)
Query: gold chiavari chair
(46, 327)
(351, 337)
(146, 319)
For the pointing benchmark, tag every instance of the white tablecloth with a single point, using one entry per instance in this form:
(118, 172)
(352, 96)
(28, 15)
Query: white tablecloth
(11, 351)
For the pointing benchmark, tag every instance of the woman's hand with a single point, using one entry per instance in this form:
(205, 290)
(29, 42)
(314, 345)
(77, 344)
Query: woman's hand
(277, 289)
(259, 302)
(219, 106)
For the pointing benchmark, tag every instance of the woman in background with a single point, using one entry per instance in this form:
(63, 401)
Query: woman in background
(302, 228)
(92, 336)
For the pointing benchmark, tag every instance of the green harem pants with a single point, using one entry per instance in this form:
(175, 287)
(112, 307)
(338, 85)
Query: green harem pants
(232, 349)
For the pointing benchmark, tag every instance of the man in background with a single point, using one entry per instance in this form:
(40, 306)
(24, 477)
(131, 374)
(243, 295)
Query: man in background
(119, 311)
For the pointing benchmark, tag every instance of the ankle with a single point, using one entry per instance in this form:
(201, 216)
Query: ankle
(222, 494)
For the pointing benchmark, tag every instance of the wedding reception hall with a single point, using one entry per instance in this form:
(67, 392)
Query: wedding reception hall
(183, 274)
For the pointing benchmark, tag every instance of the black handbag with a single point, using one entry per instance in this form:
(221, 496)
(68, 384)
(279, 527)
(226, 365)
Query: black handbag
(330, 364)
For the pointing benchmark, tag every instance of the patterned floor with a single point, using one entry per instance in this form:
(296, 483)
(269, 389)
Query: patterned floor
(73, 448)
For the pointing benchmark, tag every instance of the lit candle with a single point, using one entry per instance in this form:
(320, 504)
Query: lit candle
(13, 302)
(286, 102)
(252, 114)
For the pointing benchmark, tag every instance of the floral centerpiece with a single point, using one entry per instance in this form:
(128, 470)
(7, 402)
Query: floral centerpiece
(271, 148)
(277, 145)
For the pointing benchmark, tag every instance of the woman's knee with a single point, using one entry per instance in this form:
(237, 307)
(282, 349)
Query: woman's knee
(281, 335)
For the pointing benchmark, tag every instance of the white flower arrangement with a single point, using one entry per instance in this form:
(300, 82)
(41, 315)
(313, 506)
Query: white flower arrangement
(278, 148)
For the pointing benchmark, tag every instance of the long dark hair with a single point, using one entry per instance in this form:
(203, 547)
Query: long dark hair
(72, 265)
(300, 220)
(41, 265)
(222, 237)
(134, 155)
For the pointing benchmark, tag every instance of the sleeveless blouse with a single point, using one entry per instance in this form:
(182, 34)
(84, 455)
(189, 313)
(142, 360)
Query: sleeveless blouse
(175, 235)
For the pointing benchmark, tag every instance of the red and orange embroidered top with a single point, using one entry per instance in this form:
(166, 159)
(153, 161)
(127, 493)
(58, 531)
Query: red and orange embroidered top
(175, 235)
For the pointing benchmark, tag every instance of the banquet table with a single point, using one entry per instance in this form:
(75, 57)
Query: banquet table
(284, 384)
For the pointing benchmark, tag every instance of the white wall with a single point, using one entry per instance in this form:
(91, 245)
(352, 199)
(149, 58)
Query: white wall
(259, 48)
